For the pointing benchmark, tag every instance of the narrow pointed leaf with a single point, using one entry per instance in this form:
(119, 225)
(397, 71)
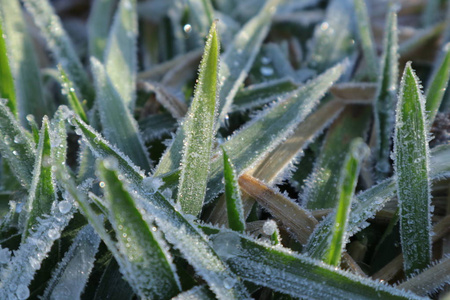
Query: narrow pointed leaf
(60, 45)
(16, 146)
(412, 172)
(235, 211)
(98, 26)
(7, 83)
(199, 130)
(121, 51)
(145, 251)
(69, 90)
(346, 189)
(22, 62)
(437, 87)
(120, 128)
(386, 97)
(42, 192)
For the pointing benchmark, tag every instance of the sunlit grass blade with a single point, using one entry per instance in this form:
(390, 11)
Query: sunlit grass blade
(17, 148)
(121, 51)
(366, 38)
(366, 204)
(239, 56)
(437, 86)
(77, 263)
(149, 268)
(386, 97)
(69, 90)
(321, 186)
(235, 211)
(346, 189)
(22, 62)
(42, 191)
(7, 83)
(119, 126)
(198, 128)
(60, 45)
(411, 164)
(98, 26)
(297, 275)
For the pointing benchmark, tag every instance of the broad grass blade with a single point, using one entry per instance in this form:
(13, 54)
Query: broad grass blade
(60, 45)
(198, 128)
(98, 26)
(386, 97)
(7, 83)
(119, 126)
(411, 162)
(346, 189)
(235, 210)
(121, 52)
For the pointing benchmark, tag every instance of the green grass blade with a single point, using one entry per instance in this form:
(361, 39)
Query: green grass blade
(98, 26)
(346, 189)
(7, 83)
(60, 45)
(150, 270)
(199, 130)
(366, 38)
(294, 274)
(69, 90)
(201, 14)
(235, 211)
(155, 126)
(42, 191)
(411, 163)
(16, 147)
(119, 126)
(437, 87)
(239, 56)
(23, 62)
(386, 96)
(121, 51)
(322, 186)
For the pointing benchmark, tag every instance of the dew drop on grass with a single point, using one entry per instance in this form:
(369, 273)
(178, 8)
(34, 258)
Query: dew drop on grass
(22, 292)
(266, 71)
(53, 234)
(228, 283)
(269, 227)
(64, 206)
(187, 28)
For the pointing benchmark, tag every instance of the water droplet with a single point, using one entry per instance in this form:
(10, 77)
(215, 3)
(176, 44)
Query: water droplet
(101, 184)
(53, 234)
(269, 227)
(187, 28)
(324, 26)
(15, 153)
(228, 283)
(22, 292)
(64, 206)
(266, 71)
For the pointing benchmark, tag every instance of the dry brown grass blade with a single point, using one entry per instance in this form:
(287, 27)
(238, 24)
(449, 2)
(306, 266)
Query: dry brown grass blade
(348, 263)
(294, 218)
(355, 92)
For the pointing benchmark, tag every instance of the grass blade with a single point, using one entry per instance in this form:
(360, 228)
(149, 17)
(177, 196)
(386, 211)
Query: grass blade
(437, 86)
(235, 211)
(412, 171)
(121, 52)
(386, 96)
(197, 292)
(199, 132)
(60, 45)
(7, 82)
(120, 128)
(23, 62)
(42, 192)
(98, 26)
(69, 90)
(201, 13)
(346, 189)
(144, 250)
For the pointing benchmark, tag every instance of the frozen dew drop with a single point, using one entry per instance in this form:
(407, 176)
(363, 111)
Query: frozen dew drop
(228, 283)
(101, 184)
(15, 153)
(53, 234)
(324, 26)
(64, 206)
(187, 28)
(269, 227)
(22, 292)
(78, 131)
(266, 71)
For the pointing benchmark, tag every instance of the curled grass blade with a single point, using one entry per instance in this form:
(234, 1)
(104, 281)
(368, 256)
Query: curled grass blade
(235, 210)
(411, 162)
(199, 130)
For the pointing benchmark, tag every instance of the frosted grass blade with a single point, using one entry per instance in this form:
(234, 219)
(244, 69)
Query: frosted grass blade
(235, 210)
(42, 191)
(16, 146)
(144, 250)
(69, 90)
(437, 86)
(239, 56)
(119, 126)
(386, 97)
(294, 274)
(71, 275)
(7, 83)
(98, 26)
(201, 13)
(366, 38)
(411, 164)
(198, 129)
(60, 45)
(321, 187)
(155, 126)
(346, 189)
(121, 52)
(198, 292)
(23, 62)
(269, 128)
